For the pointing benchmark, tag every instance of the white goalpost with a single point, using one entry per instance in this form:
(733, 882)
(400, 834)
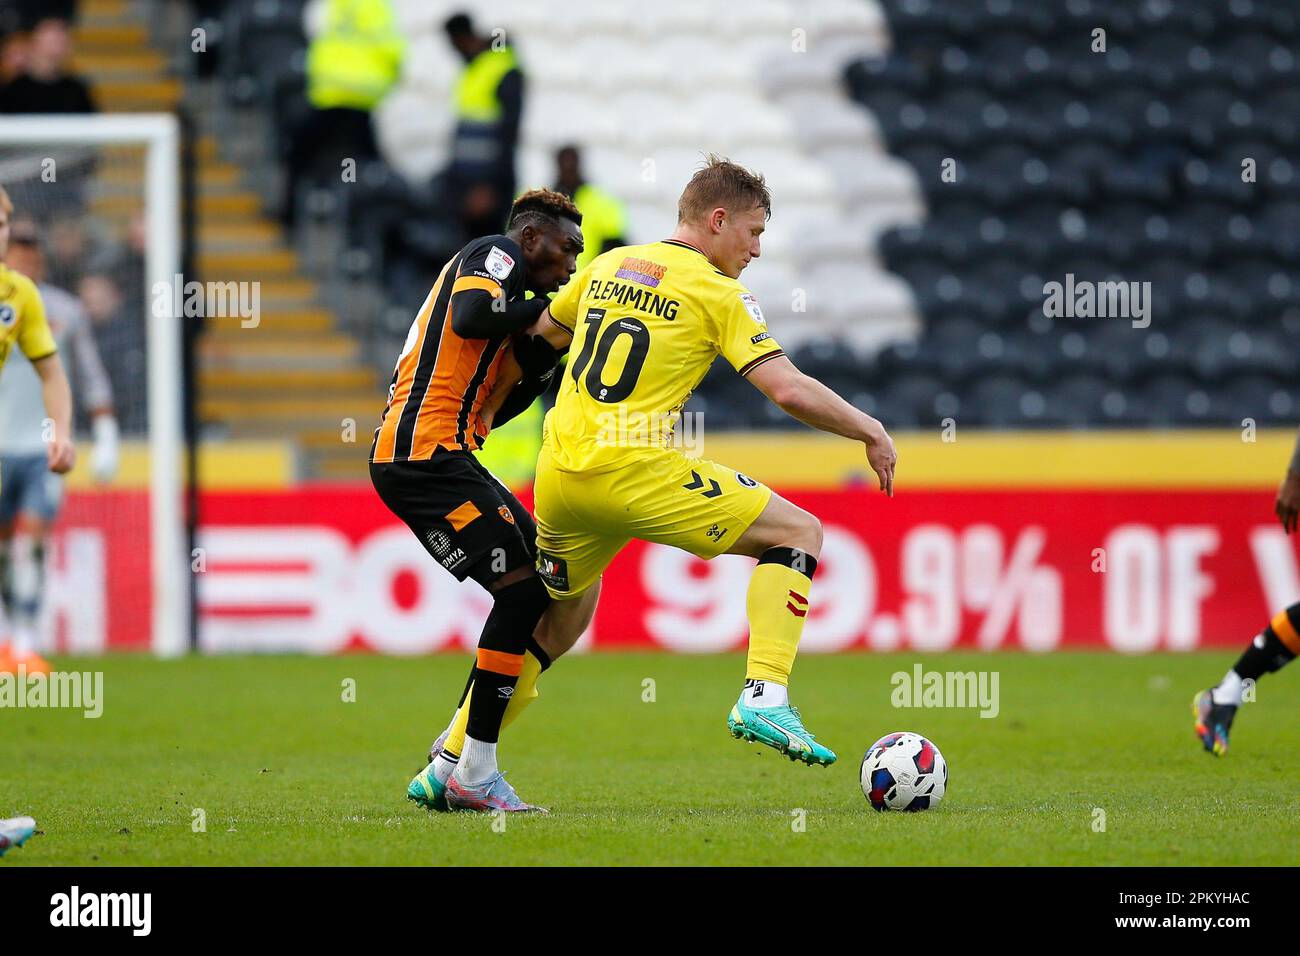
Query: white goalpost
(159, 134)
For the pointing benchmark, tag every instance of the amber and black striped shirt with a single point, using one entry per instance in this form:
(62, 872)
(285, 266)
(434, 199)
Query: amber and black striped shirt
(442, 378)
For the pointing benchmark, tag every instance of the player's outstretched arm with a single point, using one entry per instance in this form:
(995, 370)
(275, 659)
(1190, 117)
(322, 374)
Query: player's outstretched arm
(803, 397)
(58, 406)
(477, 314)
(1287, 505)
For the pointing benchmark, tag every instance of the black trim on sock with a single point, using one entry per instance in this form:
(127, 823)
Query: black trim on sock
(469, 682)
(788, 556)
(536, 650)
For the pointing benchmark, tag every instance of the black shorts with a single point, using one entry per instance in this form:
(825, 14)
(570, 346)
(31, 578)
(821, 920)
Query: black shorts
(470, 522)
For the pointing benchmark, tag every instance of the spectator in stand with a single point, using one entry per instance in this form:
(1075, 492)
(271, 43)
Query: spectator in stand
(351, 66)
(489, 104)
(604, 221)
(45, 84)
(120, 335)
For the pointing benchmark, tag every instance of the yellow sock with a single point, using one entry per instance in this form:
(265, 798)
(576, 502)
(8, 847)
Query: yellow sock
(777, 605)
(525, 694)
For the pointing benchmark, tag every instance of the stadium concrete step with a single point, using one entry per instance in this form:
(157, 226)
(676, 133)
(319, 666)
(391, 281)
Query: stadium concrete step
(248, 265)
(347, 463)
(227, 206)
(100, 36)
(127, 63)
(302, 383)
(135, 96)
(261, 352)
(221, 236)
(288, 322)
(250, 417)
(104, 11)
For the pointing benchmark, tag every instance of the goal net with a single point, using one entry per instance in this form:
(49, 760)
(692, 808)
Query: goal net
(96, 218)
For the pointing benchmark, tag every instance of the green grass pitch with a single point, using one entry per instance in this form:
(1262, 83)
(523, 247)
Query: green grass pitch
(286, 772)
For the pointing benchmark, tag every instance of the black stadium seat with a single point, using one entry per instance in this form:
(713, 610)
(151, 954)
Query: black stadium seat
(1123, 166)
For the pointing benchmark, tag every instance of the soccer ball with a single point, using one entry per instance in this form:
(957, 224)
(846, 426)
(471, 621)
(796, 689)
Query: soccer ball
(904, 771)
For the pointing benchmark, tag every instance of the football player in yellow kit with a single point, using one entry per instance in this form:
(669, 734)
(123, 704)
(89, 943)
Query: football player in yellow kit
(646, 322)
(22, 323)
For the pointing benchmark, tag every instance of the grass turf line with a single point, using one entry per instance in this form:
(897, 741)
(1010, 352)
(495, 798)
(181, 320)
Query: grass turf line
(286, 772)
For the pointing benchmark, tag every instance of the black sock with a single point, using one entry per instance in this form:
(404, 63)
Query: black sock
(506, 635)
(1265, 654)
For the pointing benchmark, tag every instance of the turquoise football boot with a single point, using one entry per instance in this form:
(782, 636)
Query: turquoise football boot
(428, 791)
(15, 832)
(779, 728)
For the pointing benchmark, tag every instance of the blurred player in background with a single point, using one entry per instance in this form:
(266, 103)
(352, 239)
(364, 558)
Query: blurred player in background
(1272, 649)
(664, 311)
(30, 494)
(604, 220)
(22, 323)
(423, 466)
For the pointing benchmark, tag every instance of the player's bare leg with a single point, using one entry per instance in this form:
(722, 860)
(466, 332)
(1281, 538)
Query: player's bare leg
(787, 541)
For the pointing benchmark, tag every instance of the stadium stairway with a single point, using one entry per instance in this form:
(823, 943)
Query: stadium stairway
(294, 376)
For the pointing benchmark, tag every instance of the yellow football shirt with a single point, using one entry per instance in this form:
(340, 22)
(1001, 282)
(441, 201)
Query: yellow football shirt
(22, 318)
(647, 322)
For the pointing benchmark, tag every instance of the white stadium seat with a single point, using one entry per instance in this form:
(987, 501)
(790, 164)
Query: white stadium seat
(646, 91)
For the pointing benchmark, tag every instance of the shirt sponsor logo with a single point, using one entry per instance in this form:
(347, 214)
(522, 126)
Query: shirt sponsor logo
(750, 302)
(553, 571)
(641, 270)
(500, 263)
(760, 337)
(439, 543)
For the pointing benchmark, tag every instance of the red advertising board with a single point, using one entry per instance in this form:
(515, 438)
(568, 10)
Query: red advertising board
(323, 569)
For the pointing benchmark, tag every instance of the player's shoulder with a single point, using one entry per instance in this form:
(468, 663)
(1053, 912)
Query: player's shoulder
(496, 255)
(15, 285)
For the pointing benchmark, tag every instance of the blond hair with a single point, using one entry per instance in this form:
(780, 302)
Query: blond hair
(720, 182)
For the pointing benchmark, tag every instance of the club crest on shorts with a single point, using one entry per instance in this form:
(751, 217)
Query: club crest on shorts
(747, 481)
(505, 514)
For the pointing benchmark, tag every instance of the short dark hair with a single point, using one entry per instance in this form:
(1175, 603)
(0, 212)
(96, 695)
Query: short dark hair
(720, 182)
(459, 25)
(542, 206)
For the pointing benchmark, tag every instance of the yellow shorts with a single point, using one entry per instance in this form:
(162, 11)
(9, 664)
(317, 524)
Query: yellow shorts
(584, 519)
